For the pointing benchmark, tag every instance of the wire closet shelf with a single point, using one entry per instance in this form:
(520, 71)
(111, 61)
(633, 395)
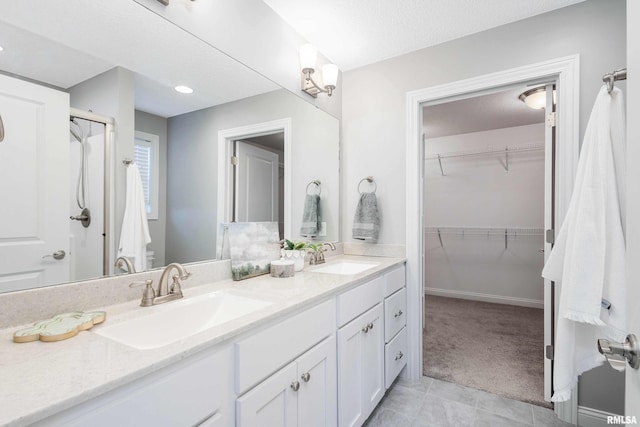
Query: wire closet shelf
(506, 233)
(490, 151)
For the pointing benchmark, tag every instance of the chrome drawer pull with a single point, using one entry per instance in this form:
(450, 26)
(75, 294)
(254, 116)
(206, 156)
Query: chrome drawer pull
(398, 314)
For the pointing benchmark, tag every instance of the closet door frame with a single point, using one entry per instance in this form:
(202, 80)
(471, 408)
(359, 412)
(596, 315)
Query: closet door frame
(565, 71)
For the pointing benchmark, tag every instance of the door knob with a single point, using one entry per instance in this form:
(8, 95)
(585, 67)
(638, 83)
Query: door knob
(616, 353)
(57, 255)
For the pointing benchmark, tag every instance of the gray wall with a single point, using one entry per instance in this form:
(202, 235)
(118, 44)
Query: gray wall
(157, 125)
(373, 110)
(192, 176)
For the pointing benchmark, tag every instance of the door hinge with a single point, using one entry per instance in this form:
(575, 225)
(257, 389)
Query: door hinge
(550, 236)
(234, 160)
(551, 119)
(548, 352)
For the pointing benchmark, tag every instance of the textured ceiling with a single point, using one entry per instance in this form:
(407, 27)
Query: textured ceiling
(63, 43)
(353, 33)
(481, 113)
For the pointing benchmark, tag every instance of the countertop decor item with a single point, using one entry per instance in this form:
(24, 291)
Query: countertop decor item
(60, 327)
(253, 245)
(295, 251)
(282, 268)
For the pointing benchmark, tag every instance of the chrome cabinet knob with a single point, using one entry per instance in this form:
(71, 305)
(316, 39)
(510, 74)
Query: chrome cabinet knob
(365, 329)
(295, 386)
(399, 356)
(398, 314)
(370, 326)
(57, 255)
(306, 377)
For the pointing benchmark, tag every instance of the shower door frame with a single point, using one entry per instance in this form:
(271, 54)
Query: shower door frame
(565, 71)
(108, 194)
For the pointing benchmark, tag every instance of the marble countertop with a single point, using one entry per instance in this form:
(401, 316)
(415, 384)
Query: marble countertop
(39, 379)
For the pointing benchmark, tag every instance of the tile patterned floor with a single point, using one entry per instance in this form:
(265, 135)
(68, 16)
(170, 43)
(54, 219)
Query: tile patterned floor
(430, 402)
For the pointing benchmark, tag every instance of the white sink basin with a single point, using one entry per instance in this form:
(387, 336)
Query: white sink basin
(345, 267)
(173, 321)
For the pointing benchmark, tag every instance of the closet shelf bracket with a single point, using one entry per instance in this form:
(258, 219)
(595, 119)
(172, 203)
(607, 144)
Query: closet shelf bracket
(506, 159)
(440, 163)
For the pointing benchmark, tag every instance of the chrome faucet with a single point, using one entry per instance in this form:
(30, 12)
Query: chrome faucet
(317, 257)
(164, 293)
(126, 261)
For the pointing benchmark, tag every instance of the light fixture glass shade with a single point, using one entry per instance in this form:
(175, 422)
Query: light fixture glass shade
(536, 98)
(183, 89)
(308, 54)
(330, 75)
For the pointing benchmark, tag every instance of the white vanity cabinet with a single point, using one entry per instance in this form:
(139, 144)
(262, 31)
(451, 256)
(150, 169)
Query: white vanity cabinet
(372, 344)
(395, 324)
(360, 352)
(294, 366)
(303, 393)
(197, 391)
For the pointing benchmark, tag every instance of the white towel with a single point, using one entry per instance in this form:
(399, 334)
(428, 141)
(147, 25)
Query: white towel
(134, 236)
(588, 259)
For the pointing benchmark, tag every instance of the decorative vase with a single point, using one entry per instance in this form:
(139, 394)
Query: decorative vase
(296, 256)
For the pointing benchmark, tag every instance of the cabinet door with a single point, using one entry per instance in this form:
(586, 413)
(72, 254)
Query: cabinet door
(317, 397)
(373, 359)
(272, 403)
(360, 367)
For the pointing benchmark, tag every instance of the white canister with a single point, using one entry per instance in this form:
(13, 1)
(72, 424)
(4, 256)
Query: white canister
(282, 268)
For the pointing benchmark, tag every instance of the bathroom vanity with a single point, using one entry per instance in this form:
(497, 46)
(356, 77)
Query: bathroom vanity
(320, 351)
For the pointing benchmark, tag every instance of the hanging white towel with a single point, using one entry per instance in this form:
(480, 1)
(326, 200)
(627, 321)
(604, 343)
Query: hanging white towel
(588, 259)
(134, 236)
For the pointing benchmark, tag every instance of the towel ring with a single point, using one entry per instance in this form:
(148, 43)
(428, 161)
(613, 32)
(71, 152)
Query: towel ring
(370, 180)
(609, 82)
(317, 184)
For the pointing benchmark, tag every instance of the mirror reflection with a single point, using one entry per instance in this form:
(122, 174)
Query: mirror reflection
(82, 103)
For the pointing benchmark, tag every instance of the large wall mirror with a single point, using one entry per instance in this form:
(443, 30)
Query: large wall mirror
(88, 87)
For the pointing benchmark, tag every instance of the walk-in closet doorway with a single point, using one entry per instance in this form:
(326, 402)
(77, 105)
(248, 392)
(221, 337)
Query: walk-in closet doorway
(485, 212)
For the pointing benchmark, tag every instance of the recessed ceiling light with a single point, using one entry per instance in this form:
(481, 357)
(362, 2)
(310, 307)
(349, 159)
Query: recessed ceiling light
(1, 48)
(183, 89)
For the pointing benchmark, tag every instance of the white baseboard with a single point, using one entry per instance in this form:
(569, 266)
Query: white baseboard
(497, 299)
(589, 417)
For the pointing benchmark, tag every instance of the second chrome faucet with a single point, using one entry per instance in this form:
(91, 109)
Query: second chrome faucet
(165, 291)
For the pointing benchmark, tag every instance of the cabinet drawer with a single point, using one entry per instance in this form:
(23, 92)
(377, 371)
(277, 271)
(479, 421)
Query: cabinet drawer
(395, 354)
(259, 355)
(394, 280)
(395, 314)
(353, 303)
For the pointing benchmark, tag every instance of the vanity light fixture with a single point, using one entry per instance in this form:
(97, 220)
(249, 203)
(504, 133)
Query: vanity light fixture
(183, 89)
(536, 98)
(308, 55)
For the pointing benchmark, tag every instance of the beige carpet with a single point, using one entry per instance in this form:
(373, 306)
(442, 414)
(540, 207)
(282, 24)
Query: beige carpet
(492, 347)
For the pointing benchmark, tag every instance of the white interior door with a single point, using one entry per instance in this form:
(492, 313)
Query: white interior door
(34, 160)
(549, 197)
(632, 376)
(256, 184)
